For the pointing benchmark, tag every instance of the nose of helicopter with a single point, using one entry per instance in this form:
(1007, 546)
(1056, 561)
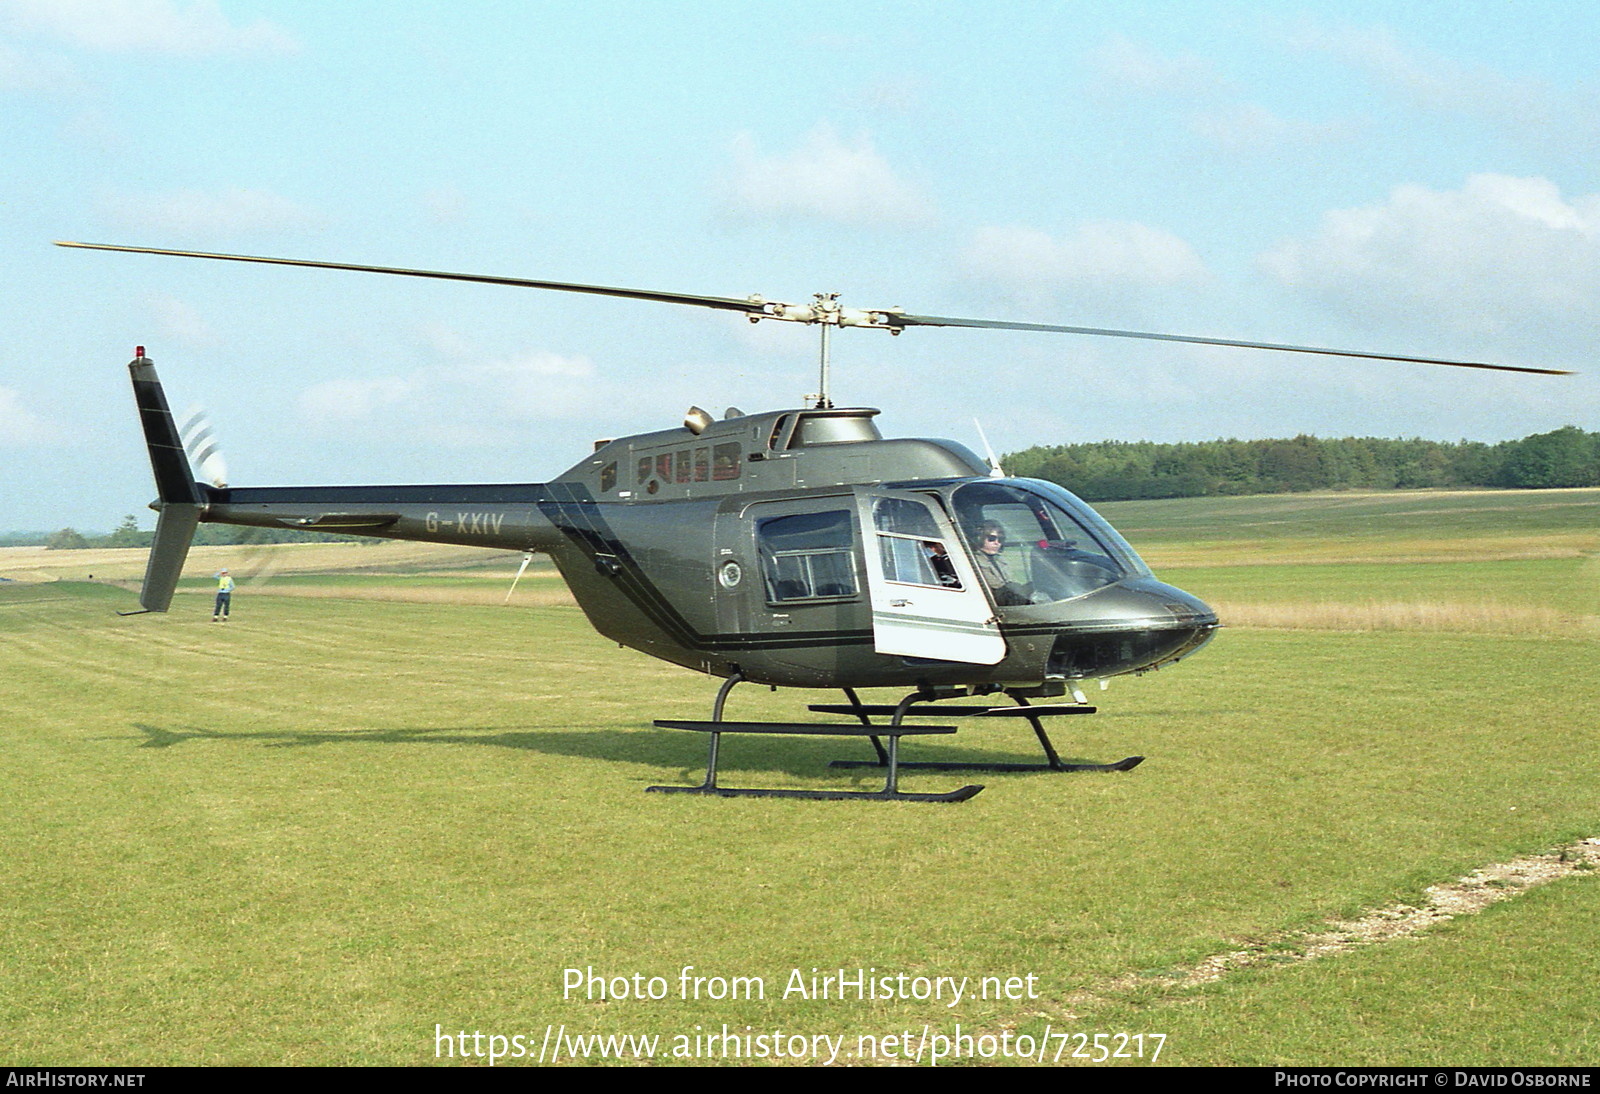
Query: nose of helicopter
(1131, 626)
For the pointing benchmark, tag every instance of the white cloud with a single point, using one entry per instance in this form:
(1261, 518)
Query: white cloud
(23, 71)
(445, 205)
(196, 214)
(1134, 66)
(334, 402)
(197, 28)
(897, 95)
(528, 386)
(1436, 82)
(180, 322)
(19, 426)
(469, 398)
(826, 178)
(1211, 104)
(1098, 257)
(1501, 255)
(1240, 127)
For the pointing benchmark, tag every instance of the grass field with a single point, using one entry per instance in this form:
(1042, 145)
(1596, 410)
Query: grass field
(341, 826)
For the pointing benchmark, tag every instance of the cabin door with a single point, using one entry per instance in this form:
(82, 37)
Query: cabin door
(927, 600)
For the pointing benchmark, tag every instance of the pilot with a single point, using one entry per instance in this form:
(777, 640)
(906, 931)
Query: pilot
(989, 543)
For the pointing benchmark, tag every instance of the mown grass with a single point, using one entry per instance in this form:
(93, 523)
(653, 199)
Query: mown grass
(1389, 515)
(310, 835)
(252, 561)
(1514, 984)
(1556, 597)
(1398, 526)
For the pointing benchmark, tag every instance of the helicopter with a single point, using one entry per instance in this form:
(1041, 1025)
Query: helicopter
(795, 548)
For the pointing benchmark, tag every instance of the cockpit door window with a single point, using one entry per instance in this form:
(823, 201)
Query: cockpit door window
(927, 601)
(1031, 548)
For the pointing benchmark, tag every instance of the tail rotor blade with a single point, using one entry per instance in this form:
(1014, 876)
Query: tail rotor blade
(200, 442)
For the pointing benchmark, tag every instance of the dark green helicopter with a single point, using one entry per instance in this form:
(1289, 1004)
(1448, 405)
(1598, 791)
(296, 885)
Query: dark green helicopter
(793, 548)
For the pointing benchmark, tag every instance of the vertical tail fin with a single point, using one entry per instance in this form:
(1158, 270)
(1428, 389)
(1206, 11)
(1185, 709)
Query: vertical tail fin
(179, 500)
(174, 479)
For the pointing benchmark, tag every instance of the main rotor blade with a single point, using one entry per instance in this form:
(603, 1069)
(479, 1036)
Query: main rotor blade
(727, 303)
(757, 306)
(898, 320)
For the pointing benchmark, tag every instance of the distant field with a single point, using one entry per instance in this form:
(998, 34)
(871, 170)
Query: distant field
(328, 830)
(1403, 525)
(1507, 562)
(251, 562)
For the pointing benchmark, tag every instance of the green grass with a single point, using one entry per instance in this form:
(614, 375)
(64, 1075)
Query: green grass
(1398, 514)
(1543, 582)
(310, 835)
(1516, 983)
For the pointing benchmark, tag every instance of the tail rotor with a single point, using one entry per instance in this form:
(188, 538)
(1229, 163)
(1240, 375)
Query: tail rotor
(200, 442)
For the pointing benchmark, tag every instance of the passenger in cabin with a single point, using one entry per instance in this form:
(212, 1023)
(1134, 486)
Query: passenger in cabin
(939, 562)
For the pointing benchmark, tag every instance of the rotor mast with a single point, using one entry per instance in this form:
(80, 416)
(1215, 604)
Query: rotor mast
(825, 313)
(823, 402)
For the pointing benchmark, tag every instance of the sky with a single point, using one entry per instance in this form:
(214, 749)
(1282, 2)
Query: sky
(1416, 178)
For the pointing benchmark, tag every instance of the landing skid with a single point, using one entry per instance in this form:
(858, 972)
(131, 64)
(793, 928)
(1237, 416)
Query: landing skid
(959, 795)
(864, 712)
(891, 791)
(1125, 764)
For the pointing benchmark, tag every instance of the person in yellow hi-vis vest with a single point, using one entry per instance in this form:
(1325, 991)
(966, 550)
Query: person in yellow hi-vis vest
(219, 614)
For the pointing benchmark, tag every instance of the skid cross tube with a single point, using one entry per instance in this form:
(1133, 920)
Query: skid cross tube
(891, 791)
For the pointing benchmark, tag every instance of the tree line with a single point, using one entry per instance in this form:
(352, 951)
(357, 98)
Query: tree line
(1128, 470)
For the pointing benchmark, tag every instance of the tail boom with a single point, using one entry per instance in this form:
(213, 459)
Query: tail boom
(504, 517)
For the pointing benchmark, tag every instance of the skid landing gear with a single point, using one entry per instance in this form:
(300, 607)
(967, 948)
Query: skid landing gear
(891, 791)
(865, 712)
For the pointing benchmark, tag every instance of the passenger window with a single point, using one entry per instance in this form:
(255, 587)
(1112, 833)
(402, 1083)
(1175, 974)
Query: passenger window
(725, 462)
(702, 464)
(644, 470)
(807, 556)
(903, 517)
(909, 545)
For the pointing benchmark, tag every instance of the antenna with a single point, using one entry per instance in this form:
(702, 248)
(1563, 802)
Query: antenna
(994, 464)
(527, 557)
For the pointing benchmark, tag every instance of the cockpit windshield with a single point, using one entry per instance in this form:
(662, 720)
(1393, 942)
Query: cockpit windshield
(1033, 542)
